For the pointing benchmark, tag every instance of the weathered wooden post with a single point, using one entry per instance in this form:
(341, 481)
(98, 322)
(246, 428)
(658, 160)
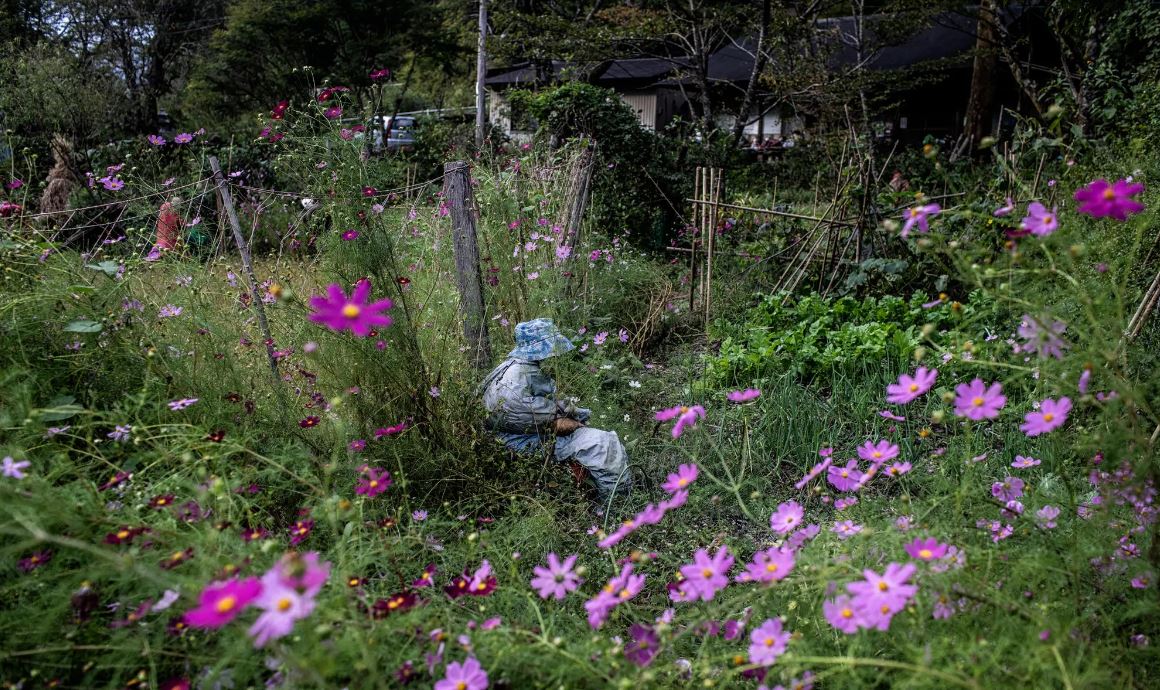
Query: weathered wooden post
(248, 266)
(461, 208)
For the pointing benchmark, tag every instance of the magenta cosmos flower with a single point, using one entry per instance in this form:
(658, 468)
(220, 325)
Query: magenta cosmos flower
(976, 400)
(1050, 416)
(841, 613)
(918, 215)
(844, 478)
(787, 517)
(910, 387)
(743, 396)
(1101, 199)
(338, 313)
(466, 676)
(681, 479)
(878, 453)
(557, 579)
(768, 642)
(373, 482)
(221, 602)
(1009, 489)
(926, 549)
(282, 607)
(888, 591)
(1039, 221)
(770, 565)
(705, 576)
(686, 417)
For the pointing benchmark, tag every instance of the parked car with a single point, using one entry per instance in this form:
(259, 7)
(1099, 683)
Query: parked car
(401, 136)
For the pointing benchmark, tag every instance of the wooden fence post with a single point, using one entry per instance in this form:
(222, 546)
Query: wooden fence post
(457, 195)
(223, 190)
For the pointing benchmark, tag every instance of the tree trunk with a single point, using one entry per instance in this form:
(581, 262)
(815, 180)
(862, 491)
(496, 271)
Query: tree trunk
(751, 87)
(982, 96)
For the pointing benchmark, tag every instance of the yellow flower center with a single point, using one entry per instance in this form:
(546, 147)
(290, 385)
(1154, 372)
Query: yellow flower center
(351, 311)
(847, 613)
(284, 604)
(1109, 194)
(226, 604)
(1048, 220)
(461, 686)
(925, 553)
(624, 594)
(913, 387)
(771, 568)
(882, 586)
(123, 534)
(877, 453)
(393, 604)
(682, 482)
(977, 401)
(707, 572)
(885, 609)
(374, 484)
(845, 474)
(1047, 416)
(769, 642)
(178, 556)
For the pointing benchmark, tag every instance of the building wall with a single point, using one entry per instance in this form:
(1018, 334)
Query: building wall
(644, 104)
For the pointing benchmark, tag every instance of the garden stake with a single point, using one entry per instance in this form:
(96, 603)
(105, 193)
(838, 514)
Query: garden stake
(457, 194)
(244, 250)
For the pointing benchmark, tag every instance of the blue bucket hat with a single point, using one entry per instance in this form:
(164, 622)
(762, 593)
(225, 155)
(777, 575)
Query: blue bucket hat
(539, 339)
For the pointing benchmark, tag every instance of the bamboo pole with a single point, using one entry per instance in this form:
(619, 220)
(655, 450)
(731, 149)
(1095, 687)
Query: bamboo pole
(227, 202)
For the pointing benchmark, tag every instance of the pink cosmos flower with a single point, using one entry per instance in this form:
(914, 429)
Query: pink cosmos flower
(377, 74)
(743, 396)
(685, 475)
(1084, 379)
(558, 579)
(1100, 199)
(619, 589)
(686, 417)
(282, 607)
(845, 529)
(787, 517)
(705, 576)
(1045, 517)
(844, 478)
(878, 453)
(482, 581)
(1009, 489)
(841, 613)
(770, 565)
(156, 139)
(466, 676)
(221, 602)
(1050, 416)
(890, 589)
(373, 482)
(918, 215)
(976, 400)
(338, 313)
(1023, 462)
(349, 235)
(768, 642)
(926, 549)
(1004, 210)
(909, 387)
(898, 469)
(887, 414)
(183, 138)
(814, 472)
(1039, 221)
(332, 112)
(1043, 340)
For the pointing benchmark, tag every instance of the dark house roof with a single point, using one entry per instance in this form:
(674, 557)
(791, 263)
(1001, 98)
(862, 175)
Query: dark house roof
(949, 36)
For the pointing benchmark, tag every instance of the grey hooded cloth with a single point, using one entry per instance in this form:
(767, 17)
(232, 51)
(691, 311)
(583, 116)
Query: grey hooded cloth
(522, 408)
